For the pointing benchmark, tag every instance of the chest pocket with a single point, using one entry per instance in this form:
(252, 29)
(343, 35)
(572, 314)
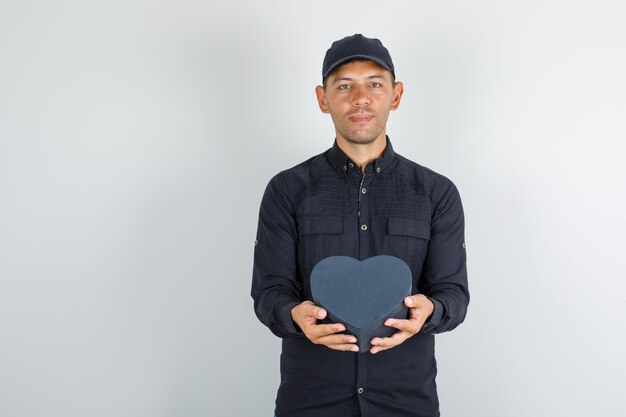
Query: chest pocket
(408, 239)
(320, 237)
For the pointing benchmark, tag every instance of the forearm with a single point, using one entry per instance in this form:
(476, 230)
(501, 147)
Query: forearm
(275, 286)
(444, 278)
(274, 296)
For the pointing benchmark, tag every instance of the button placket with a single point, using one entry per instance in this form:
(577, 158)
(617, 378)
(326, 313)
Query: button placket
(364, 191)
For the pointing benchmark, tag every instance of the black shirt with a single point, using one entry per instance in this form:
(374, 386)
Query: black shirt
(324, 207)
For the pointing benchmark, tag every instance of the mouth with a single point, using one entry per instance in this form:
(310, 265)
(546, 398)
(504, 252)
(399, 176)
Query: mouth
(361, 117)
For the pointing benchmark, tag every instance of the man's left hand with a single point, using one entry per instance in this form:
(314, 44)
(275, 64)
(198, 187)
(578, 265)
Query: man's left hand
(420, 309)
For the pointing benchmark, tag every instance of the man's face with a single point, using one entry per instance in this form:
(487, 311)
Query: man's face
(359, 95)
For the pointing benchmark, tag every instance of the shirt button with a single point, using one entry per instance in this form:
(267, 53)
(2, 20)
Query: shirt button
(378, 170)
(360, 390)
(364, 227)
(351, 165)
(363, 190)
(345, 168)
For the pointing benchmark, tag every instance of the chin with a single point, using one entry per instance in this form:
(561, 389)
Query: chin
(364, 139)
(360, 141)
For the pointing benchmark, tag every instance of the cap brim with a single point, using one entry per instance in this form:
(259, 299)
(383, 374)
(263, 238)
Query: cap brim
(357, 56)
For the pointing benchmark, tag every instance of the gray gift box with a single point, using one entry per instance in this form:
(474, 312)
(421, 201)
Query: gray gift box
(362, 294)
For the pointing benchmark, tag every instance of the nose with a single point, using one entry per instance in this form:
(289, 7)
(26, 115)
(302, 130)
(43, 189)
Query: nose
(360, 96)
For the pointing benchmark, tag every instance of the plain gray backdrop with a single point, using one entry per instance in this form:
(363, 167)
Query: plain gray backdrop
(136, 140)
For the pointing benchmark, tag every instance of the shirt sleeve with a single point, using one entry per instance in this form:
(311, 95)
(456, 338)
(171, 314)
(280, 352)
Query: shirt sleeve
(444, 278)
(275, 288)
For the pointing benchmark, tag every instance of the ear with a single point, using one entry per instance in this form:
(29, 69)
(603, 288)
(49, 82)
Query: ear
(398, 89)
(321, 99)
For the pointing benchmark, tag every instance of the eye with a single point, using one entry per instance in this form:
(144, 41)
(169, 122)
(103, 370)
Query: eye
(344, 86)
(375, 84)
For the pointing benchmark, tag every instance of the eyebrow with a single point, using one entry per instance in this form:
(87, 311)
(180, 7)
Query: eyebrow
(375, 76)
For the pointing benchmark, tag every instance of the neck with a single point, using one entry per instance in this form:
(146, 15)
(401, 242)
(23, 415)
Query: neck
(363, 154)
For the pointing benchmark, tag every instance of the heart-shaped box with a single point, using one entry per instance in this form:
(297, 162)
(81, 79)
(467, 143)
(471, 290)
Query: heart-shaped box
(362, 294)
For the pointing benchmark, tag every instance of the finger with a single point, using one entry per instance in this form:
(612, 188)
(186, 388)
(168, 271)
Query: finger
(393, 340)
(417, 300)
(319, 313)
(419, 304)
(412, 326)
(315, 331)
(376, 349)
(414, 300)
(312, 310)
(336, 340)
(410, 301)
(384, 343)
(344, 347)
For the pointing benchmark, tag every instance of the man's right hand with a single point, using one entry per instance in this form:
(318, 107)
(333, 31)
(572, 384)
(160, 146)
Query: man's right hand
(306, 315)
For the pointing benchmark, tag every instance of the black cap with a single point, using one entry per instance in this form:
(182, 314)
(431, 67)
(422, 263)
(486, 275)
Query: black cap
(354, 47)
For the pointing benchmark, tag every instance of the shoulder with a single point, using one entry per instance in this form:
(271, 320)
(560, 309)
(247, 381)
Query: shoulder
(304, 173)
(293, 181)
(423, 178)
(443, 195)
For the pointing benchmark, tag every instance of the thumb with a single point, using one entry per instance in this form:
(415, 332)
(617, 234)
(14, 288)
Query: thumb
(409, 302)
(320, 313)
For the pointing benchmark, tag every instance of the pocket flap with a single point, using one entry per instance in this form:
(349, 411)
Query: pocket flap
(400, 226)
(321, 225)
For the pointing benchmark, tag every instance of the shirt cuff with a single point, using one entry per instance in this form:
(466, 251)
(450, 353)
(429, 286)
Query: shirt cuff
(288, 324)
(434, 318)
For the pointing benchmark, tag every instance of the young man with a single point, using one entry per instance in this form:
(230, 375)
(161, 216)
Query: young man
(359, 199)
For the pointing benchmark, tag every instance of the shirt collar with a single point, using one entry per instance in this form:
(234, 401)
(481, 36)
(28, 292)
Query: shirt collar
(340, 161)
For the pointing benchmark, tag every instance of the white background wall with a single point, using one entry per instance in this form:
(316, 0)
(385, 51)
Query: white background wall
(137, 137)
